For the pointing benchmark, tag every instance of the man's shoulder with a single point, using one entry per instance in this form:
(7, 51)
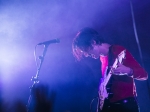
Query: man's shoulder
(116, 49)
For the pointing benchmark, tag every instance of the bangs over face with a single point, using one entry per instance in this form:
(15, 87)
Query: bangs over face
(83, 42)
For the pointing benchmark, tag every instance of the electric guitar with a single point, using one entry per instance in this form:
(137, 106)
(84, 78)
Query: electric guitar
(102, 88)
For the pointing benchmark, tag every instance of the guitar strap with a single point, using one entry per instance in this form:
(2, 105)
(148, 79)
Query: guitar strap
(110, 58)
(110, 63)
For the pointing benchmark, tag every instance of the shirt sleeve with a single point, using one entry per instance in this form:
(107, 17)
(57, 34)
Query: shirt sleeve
(138, 72)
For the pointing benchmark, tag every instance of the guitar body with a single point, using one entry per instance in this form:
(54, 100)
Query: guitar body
(106, 100)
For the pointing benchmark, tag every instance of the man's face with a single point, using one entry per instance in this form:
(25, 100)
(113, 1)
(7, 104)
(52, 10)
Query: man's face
(94, 52)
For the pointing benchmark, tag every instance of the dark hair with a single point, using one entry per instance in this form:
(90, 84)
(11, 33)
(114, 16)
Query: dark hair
(83, 41)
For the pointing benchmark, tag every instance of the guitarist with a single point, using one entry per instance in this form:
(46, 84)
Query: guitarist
(121, 96)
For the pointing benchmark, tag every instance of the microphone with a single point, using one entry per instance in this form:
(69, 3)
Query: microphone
(49, 42)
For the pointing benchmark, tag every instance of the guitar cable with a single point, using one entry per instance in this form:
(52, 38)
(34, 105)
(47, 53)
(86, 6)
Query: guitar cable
(97, 104)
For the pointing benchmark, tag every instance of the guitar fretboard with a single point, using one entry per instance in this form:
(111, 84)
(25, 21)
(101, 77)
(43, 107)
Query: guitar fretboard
(118, 59)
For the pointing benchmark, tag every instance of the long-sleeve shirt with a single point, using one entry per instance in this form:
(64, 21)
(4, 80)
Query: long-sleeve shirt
(123, 86)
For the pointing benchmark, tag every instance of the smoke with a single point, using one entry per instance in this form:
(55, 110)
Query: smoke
(24, 23)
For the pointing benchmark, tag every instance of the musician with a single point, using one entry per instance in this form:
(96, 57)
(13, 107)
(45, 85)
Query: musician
(88, 43)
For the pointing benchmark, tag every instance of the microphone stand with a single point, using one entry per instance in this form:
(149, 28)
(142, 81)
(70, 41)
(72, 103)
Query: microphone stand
(36, 78)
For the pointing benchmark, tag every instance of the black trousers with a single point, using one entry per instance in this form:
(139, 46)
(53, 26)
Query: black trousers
(125, 105)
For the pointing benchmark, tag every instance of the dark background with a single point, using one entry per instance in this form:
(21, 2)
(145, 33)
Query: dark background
(25, 23)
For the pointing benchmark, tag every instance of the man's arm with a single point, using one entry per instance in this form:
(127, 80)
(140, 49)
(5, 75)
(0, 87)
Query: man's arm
(130, 66)
(137, 72)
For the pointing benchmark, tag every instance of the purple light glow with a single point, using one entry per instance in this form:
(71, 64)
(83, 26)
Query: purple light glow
(23, 24)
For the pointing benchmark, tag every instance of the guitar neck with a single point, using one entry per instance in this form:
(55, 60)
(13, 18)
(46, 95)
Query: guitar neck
(110, 72)
(118, 59)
